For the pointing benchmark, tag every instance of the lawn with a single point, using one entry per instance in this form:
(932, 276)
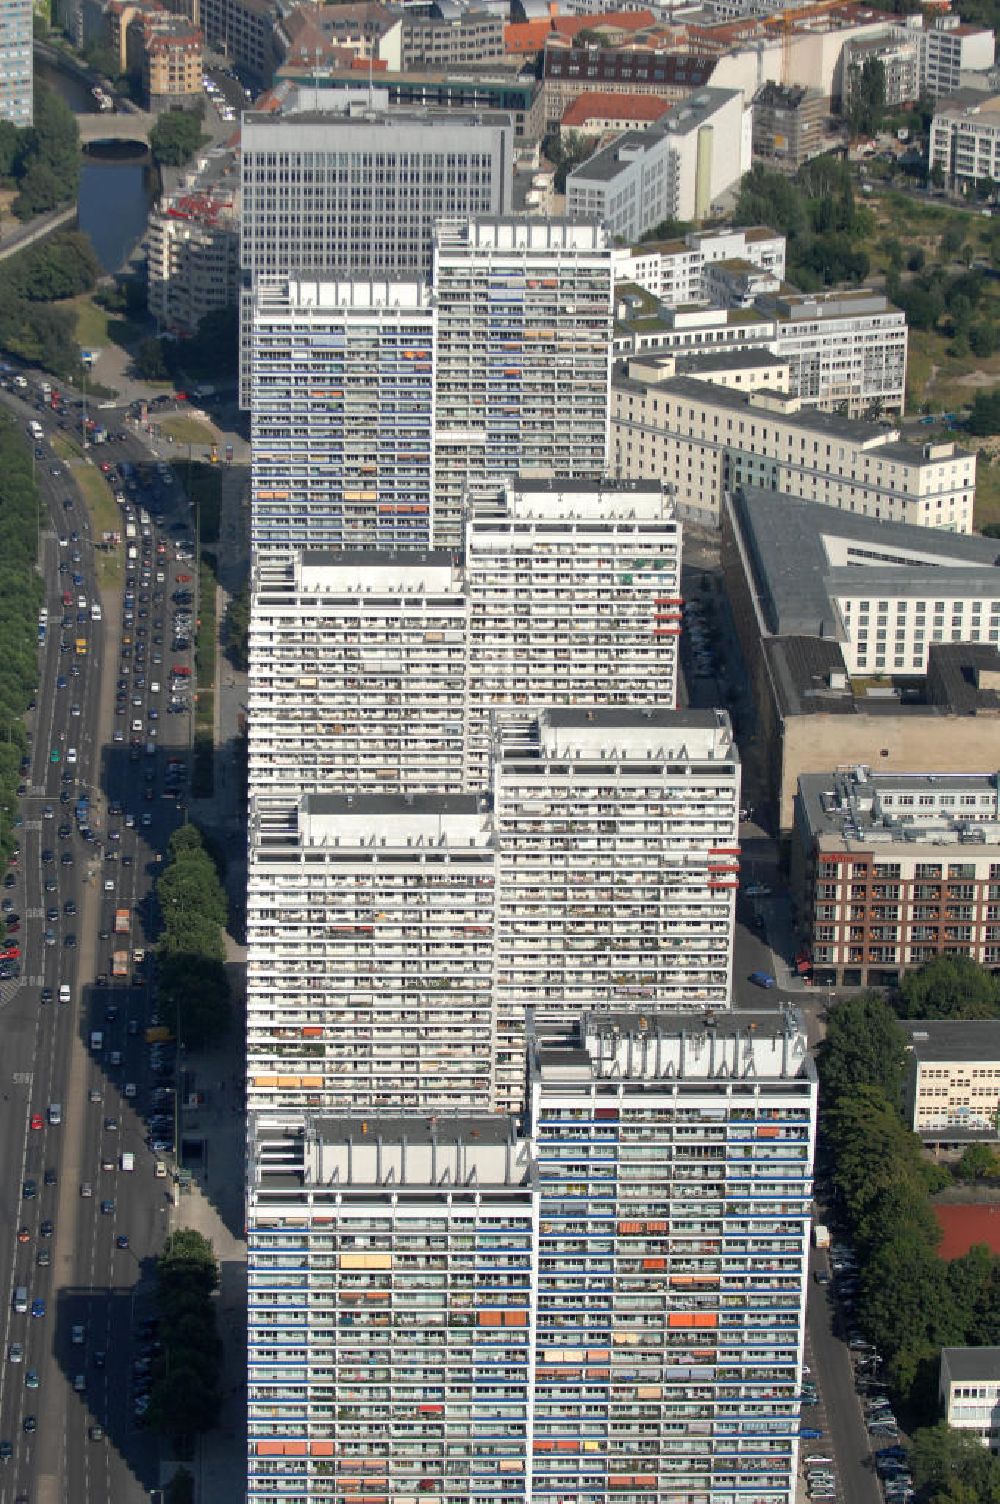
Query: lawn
(987, 508)
(91, 324)
(184, 430)
(104, 518)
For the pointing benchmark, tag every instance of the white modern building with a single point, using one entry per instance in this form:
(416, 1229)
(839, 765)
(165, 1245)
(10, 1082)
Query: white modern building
(677, 169)
(342, 415)
(341, 186)
(953, 1064)
(574, 598)
(950, 47)
(969, 1391)
(17, 74)
(192, 258)
(380, 672)
(674, 1181)
(524, 310)
(675, 272)
(617, 842)
(610, 1299)
(358, 678)
(370, 942)
(711, 438)
(391, 1273)
(965, 138)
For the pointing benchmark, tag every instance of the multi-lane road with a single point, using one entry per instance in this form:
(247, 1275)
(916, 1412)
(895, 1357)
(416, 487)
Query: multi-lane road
(84, 1243)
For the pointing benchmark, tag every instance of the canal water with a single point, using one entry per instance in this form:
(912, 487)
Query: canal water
(118, 181)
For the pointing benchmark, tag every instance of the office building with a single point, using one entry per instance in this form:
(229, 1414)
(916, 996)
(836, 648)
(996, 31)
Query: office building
(17, 74)
(710, 438)
(390, 1264)
(969, 1391)
(617, 848)
(965, 139)
(523, 357)
(244, 31)
(892, 869)
(792, 644)
(370, 937)
(676, 272)
(342, 415)
(574, 598)
(457, 39)
(953, 1073)
(343, 187)
(674, 1183)
(676, 169)
(950, 47)
(358, 675)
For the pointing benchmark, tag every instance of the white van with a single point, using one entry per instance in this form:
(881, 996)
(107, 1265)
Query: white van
(96, 614)
(128, 1161)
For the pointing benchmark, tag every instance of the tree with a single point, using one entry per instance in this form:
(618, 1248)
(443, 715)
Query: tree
(983, 339)
(176, 137)
(944, 1458)
(566, 150)
(985, 415)
(978, 1162)
(949, 986)
(864, 1046)
(936, 176)
(150, 362)
(238, 628)
(865, 105)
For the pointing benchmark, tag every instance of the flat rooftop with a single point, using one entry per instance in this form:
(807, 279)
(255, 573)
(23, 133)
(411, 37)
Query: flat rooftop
(972, 1364)
(952, 1039)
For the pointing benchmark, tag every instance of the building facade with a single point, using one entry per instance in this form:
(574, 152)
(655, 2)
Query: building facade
(788, 125)
(965, 139)
(171, 64)
(192, 258)
(370, 923)
(524, 313)
(674, 170)
(617, 839)
(949, 48)
(676, 272)
(569, 71)
(342, 415)
(17, 72)
(470, 36)
(891, 870)
(952, 1076)
(969, 1391)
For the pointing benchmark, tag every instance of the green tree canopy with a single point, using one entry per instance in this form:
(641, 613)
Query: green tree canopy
(949, 986)
(864, 1046)
(176, 137)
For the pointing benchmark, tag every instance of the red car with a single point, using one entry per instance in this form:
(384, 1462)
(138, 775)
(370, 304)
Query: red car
(36, 1120)
(180, 672)
(10, 952)
(183, 579)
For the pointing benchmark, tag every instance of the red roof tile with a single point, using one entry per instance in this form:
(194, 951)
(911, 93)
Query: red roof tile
(625, 107)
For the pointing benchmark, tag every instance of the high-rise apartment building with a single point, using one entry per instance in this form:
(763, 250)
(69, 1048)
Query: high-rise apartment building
(358, 675)
(605, 1302)
(390, 1295)
(343, 187)
(574, 598)
(523, 364)
(617, 865)
(16, 61)
(342, 415)
(370, 924)
(373, 671)
(674, 1185)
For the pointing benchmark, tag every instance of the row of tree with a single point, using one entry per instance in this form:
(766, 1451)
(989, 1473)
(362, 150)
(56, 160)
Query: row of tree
(20, 597)
(912, 1302)
(41, 160)
(817, 213)
(193, 985)
(186, 1398)
(32, 285)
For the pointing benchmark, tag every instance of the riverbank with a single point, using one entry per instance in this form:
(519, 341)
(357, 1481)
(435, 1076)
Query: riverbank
(17, 237)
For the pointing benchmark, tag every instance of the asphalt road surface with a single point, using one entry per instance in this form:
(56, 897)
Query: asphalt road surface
(46, 1053)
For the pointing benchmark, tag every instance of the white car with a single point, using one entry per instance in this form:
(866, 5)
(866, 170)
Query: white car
(71, 754)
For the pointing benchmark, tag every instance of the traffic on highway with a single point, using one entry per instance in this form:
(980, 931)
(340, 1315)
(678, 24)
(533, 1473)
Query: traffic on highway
(90, 1077)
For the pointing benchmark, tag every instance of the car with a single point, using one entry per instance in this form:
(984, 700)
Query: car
(6, 1451)
(94, 1094)
(50, 1177)
(38, 1307)
(757, 890)
(31, 1379)
(15, 1353)
(96, 1433)
(29, 1189)
(30, 1425)
(70, 942)
(809, 1433)
(23, 1235)
(55, 755)
(46, 994)
(86, 1189)
(122, 1240)
(46, 1228)
(107, 1208)
(762, 979)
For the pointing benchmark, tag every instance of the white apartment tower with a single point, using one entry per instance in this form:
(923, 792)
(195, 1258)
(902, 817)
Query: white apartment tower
(574, 598)
(358, 675)
(390, 1294)
(524, 356)
(674, 1182)
(617, 865)
(606, 1302)
(17, 62)
(370, 925)
(373, 671)
(342, 415)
